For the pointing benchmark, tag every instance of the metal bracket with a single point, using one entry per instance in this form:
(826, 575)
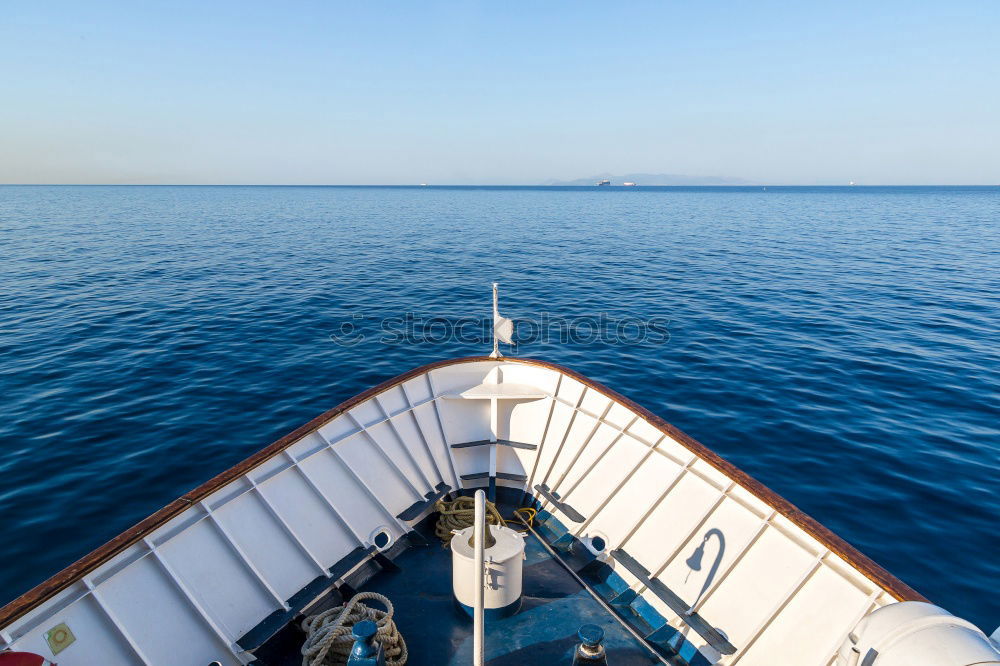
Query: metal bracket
(553, 497)
(411, 512)
(675, 603)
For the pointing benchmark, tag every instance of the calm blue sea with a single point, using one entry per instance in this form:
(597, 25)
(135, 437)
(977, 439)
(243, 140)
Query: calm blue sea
(840, 344)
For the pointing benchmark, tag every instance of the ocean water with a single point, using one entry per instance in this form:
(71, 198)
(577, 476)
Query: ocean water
(842, 345)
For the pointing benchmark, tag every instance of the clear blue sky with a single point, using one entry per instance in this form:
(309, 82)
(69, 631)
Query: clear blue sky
(493, 92)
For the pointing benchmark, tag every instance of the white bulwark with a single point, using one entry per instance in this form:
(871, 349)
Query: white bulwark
(645, 500)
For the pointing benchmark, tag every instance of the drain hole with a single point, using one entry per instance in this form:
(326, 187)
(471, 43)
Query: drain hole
(381, 538)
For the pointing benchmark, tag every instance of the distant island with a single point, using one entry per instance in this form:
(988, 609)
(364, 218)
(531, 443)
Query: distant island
(651, 179)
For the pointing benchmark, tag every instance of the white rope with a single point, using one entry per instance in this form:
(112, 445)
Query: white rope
(328, 634)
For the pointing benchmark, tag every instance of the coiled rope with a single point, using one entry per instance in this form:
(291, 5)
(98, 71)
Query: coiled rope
(459, 514)
(328, 634)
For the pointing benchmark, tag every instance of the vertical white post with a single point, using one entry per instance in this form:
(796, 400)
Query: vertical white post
(494, 429)
(496, 313)
(478, 649)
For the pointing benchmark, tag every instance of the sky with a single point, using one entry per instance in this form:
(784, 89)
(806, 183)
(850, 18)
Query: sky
(476, 92)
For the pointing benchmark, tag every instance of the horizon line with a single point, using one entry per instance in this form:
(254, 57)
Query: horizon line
(429, 185)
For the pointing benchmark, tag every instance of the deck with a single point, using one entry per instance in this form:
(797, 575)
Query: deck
(438, 633)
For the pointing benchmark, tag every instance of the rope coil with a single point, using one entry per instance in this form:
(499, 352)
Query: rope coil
(459, 514)
(328, 634)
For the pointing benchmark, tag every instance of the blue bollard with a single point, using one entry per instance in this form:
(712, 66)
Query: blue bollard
(590, 652)
(366, 651)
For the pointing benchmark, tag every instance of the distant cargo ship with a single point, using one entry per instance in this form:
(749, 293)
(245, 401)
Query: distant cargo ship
(603, 183)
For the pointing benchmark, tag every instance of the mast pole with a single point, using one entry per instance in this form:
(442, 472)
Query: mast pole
(496, 315)
(478, 647)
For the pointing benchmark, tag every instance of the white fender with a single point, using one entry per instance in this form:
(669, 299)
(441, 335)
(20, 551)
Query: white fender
(913, 633)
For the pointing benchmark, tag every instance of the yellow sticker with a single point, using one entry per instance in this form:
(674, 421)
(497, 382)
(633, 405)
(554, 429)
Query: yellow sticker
(59, 638)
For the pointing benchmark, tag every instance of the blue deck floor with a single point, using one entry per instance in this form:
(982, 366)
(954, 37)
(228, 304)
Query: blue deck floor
(543, 632)
(417, 581)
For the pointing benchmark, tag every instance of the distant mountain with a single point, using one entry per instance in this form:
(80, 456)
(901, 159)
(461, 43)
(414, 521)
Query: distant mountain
(652, 179)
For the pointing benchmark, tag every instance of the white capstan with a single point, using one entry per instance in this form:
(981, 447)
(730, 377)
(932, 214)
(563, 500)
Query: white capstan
(503, 563)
